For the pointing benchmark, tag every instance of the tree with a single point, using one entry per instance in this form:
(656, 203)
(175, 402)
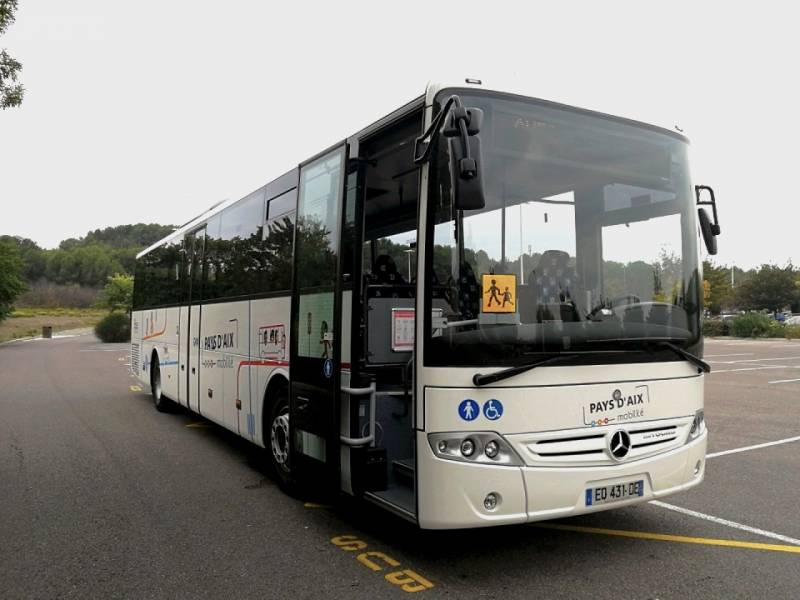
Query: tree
(118, 293)
(11, 283)
(770, 287)
(720, 294)
(706, 293)
(33, 257)
(11, 92)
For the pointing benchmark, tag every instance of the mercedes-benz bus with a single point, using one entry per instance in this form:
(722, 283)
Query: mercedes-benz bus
(482, 309)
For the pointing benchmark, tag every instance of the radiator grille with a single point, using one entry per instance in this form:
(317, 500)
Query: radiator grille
(589, 446)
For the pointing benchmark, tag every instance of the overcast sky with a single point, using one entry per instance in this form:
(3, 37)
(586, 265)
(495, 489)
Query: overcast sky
(153, 111)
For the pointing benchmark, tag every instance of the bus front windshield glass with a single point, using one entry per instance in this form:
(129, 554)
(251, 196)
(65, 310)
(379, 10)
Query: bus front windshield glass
(587, 242)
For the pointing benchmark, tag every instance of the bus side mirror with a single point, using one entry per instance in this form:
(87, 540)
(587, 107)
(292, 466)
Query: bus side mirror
(710, 229)
(467, 188)
(463, 129)
(706, 229)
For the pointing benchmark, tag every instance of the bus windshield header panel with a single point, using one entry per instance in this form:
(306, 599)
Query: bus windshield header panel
(587, 242)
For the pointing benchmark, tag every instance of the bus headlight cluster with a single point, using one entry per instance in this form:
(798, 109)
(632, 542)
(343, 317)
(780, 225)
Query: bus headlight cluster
(486, 447)
(698, 425)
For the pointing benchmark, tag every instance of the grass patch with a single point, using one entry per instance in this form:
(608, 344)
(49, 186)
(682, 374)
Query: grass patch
(57, 312)
(28, 322)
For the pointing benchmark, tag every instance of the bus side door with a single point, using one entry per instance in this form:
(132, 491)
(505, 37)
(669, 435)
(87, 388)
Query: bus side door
(316, 321)
(195, 244)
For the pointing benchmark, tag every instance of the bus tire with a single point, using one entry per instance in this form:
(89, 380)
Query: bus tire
(277, 437)
(159, 399)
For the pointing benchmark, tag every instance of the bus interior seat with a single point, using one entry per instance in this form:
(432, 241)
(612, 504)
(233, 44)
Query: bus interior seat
(385, 271)
(554, 286)
(469, 292)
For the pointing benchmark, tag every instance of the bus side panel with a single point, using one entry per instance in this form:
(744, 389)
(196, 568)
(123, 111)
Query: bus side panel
(223, 347)
(157, 334)
(269, 352)
(137, 355)
(183, 355)
(168, 353)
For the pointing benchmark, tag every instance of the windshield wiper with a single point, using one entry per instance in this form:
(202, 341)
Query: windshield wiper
(695, 360)
(647, 345)
(479, 379)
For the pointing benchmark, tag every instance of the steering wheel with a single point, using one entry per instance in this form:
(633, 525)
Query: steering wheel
(611, 304)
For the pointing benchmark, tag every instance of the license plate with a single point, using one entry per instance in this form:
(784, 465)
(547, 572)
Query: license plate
(614, 493)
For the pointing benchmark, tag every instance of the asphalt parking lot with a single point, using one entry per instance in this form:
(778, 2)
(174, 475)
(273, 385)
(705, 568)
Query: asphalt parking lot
(101, 496)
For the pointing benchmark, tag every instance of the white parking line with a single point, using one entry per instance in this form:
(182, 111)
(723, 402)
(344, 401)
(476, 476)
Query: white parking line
(726, 522)
(756, 360)
(784, 381)
(720, 355)
(755, 447)
(713, 371)
(125, 349)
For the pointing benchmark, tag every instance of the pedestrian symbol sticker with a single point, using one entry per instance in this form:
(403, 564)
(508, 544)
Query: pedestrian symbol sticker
(493, 409)
(327, 368)
(468, 410)
(499, 293)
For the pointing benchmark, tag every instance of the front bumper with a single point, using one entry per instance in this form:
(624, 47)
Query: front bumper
(451, 494)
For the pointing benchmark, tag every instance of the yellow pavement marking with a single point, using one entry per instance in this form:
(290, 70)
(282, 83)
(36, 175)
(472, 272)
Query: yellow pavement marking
(315, 505)
(136, 388)
(406, 579)
(200, 424)
(663, 537)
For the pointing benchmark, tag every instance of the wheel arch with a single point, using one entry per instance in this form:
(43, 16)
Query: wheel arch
(279, 378)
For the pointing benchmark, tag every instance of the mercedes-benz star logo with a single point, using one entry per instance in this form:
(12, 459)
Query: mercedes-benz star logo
(620, 444)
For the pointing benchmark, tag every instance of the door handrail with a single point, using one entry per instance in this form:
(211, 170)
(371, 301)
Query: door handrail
(370, 439)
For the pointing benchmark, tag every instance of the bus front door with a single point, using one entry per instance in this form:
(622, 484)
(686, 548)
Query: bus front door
(316, 323)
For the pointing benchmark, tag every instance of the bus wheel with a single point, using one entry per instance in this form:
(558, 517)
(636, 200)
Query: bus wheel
(279, 436)
(161, 402)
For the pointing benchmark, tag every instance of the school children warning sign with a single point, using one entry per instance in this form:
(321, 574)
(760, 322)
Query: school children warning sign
(499, 293)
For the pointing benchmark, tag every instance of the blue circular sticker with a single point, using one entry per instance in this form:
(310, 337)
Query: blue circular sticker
(327, 368)
(493, 409)
(468, 410)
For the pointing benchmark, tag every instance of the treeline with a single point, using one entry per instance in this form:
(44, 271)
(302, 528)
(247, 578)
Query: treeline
(769, 287)
(87, 261)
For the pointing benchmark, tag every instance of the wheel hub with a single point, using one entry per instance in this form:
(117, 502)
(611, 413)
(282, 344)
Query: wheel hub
(279, 437)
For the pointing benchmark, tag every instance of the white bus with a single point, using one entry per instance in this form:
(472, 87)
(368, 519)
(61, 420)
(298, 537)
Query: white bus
(553, 254)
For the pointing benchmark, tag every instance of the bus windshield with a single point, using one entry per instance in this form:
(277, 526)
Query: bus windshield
(587, 242)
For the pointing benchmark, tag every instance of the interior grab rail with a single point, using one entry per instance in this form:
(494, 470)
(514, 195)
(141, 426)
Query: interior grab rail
(370, 439)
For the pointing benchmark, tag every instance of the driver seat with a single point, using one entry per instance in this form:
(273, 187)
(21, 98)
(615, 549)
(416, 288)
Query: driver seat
(554, 285)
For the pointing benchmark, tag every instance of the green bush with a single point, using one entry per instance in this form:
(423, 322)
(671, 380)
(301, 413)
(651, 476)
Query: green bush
(114, 327)
(716, 327)
(756, 325)
(792, 332)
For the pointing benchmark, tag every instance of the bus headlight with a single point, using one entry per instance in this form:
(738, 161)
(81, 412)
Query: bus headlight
(486, 447)
(698, 425)
(491, 449)
(467, 447)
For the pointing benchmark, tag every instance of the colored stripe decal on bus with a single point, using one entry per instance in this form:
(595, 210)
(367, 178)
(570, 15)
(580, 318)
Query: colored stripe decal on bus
(264, 363)
(255, 363)
(152, 335)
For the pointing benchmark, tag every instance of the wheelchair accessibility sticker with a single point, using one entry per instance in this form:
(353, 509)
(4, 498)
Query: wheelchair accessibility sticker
(493, 409)
(468, 410)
